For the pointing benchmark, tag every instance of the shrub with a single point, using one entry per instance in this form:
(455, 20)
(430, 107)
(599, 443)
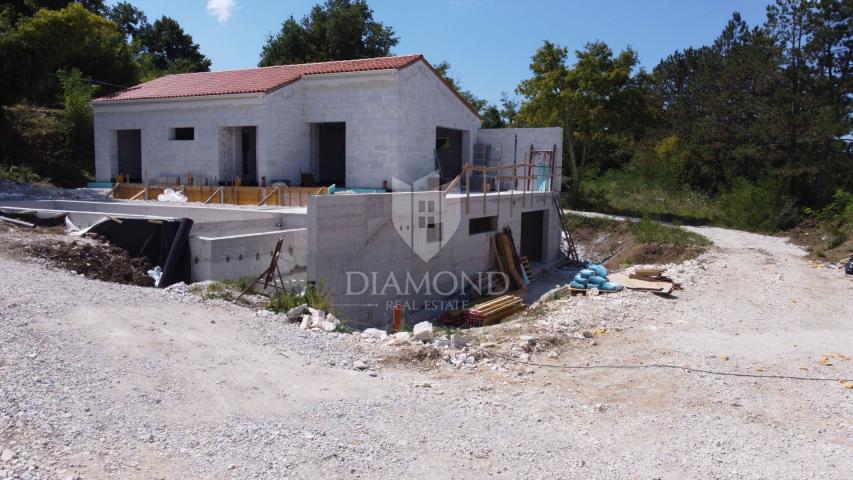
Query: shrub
(20, 174)
(314, 296)
(836, 218)
(757, 206)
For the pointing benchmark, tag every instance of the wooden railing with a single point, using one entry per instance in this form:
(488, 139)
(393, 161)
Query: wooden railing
(274, 196)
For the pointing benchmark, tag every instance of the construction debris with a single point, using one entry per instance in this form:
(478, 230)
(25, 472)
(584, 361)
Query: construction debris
(647, 279)
(508, 259)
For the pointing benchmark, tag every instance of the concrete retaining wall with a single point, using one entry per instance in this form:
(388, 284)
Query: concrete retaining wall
(247, 255)
(357, 234)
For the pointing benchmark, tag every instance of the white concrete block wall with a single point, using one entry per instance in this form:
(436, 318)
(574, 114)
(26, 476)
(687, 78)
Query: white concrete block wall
(428, 103)
(540, 138)
(369, 104)
(164, 158)
(356, 234)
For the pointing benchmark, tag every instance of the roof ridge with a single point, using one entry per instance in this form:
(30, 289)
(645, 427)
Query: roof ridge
(414, 55)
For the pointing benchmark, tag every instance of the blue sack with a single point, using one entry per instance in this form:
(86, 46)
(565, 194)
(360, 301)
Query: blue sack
(581, 280)
(596, 280)
(610, 287)
(599, 270)
(575, 284)
(586, 273)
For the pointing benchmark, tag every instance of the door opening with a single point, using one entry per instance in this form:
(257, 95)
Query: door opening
(129, 154)
(332, 153)
(532, 235)
(448, 153)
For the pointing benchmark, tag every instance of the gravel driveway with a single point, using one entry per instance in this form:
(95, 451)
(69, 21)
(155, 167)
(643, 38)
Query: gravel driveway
(100, 380)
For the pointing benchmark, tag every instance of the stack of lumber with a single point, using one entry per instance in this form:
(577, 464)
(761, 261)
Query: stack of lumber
(508, 260)
(493, 311)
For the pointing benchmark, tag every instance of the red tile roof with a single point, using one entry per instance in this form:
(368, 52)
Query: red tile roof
(252, 80)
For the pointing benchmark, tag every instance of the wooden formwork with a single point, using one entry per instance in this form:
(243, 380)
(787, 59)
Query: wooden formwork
(274, 196)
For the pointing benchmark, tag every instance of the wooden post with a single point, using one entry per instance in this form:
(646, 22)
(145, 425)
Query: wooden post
(467, 188)
(485, 172)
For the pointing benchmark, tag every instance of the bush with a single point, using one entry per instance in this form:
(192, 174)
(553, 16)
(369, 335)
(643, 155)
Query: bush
(760, 207)
(20, 174)
(836, 218)
(314, 296)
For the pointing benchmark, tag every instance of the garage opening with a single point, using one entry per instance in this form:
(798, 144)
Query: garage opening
(331, 153)
(130, 154)
(533, 235)
(448, 153)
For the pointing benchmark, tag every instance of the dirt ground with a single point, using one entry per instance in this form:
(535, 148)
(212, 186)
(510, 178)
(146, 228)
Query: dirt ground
(101, 380)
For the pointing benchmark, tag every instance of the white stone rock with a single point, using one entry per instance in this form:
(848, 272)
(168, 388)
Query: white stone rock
(359, 365)
(306, 322)
(400, 338)
(374, 333)
(317, 318)
(6, 455)
(422, 332)
(295, 312)
(459, 340)
(179, 287)
(328, 326)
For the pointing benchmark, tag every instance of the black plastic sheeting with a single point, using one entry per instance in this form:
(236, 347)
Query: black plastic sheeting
(164, 242)
(849, 268)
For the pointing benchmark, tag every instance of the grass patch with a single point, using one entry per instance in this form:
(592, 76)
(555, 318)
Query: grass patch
(647, 231)
(314, 296)
(625, 193)
(619, 244)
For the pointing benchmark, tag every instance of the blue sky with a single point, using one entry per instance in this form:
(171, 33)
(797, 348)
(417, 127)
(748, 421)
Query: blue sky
(487, 42)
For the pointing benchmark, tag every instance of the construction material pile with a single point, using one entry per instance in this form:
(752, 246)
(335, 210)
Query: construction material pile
(649, 280)
(508, 260)
(493, 311)
(594, 276)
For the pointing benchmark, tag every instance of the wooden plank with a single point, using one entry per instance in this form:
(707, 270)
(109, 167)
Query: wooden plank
(644, 285)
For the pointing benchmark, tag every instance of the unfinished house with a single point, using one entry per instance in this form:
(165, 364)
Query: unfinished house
(367, 133)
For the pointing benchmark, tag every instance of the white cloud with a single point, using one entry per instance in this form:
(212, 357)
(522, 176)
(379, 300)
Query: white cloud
(221, 9)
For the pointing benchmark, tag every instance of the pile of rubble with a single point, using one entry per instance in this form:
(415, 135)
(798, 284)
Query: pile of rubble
(313, 319)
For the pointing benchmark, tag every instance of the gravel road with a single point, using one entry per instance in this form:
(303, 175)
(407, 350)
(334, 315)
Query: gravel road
(100, 380)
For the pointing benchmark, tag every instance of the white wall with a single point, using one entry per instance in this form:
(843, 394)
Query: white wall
(428, 103)
(356, 233)
(390, 115)
(162, 157)
(539, 138)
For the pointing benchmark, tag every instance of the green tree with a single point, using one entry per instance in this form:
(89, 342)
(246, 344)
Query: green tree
(77, 118)
(131, 21)
(166, 48)
(334, 30)
(596, 101)
(816, 39)
(53, 40)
